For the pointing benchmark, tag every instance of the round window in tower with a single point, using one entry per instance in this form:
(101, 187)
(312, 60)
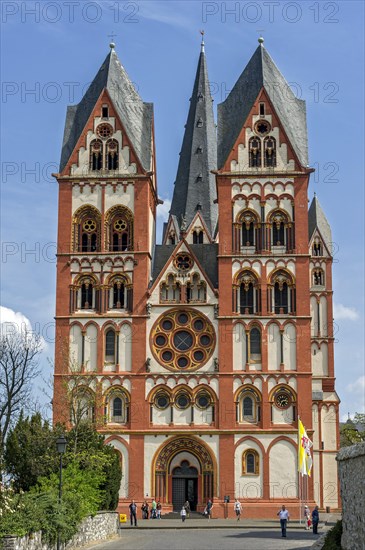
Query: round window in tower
(104, 130)
(162, 401)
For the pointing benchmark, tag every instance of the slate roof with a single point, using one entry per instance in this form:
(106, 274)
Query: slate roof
(317, 218)
(206, 254)
(261, 72)
(194, 184)
(136, 116)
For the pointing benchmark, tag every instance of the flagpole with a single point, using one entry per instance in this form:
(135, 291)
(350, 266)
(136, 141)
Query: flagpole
(300, 482)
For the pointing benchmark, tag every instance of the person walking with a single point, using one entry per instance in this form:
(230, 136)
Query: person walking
(209, 508)
(158, 509)
(133, 513)
(153, 509)
(284, 518)
(237, 509)
(187, 508)
(307, 517)
(315, 520)
(183, 514)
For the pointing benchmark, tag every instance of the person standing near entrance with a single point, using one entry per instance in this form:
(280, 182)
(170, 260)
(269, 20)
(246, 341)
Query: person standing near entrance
(158, 508)
(315, 520)
(237, 509)
(284, 518)
(153, 509)
(183, 514)
(133, 513)
(209, 508)
(187, 508)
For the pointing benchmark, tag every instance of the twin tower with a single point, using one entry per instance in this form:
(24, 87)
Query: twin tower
(195, 357)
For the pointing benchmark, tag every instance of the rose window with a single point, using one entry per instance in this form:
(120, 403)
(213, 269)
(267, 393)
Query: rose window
(120, 225)
(182, 340)
(89, 226)
(104, 130)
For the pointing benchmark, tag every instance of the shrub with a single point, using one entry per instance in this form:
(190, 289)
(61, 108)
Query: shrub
(333, 538)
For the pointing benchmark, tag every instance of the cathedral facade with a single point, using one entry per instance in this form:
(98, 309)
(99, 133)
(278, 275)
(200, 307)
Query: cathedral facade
(195, 357)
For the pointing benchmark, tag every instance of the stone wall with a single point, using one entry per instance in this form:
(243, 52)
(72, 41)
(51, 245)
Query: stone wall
(351, 466)
(99, 527)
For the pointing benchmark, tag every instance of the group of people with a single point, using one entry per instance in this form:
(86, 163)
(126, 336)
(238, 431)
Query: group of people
(151, 512)
(310, 519)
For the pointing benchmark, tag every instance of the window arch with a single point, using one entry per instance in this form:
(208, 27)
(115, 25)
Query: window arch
(120, 293)
(317, 277)
(170, 289)
(119, 229)
(84, 293)
(254, 345)
(247, 231)
(317, 249)
(112, 154)
(269, 152)
(250, 462)
(280, 228)
(117, 406)
(254, 152)
(198, 236)
(86, 229)
(96, 155)
(283, 293)
(171, 238)
(110, 346)
(196, 289)
(249, 406)
(82, 406)
(247, 294)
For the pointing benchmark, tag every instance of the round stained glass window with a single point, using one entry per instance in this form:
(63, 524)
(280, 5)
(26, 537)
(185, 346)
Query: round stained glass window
(203, 401)
(183, 340)
(104, 130)
(162, 401)
(205, 340)
(182, 401)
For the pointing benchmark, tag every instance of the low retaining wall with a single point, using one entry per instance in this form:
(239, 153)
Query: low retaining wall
(99, 527)
(351, 468)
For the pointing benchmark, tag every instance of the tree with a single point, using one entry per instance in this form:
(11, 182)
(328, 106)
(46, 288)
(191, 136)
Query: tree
(19, 354)
(353, 431)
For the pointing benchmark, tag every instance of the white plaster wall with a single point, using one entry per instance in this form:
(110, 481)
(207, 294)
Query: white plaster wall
(290, 347)
(249, 485)
(151, 445)
(273, 340)
(320, 359)
(161, 417)
(123, 195)
(125, 347)
(91, 347)
(314, 315)
(203, 416)
(316, 476)
(177, 460)
(330, 491)
(86, 194)
(239, 347)
(280, 416)
(283, 470)
(123, 491)
(323, 315)
(182, 416)
(75, 347)
(329, 435)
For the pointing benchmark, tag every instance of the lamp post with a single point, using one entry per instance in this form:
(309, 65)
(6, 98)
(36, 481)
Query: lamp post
(61, 449)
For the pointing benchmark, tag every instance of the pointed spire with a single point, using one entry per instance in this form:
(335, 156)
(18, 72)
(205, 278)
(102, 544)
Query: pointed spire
(195, 188)
(202, 45)
(261, 72)
(317, 220)
(135, 115)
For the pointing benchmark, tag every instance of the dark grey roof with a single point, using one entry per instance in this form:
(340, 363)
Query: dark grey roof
(135, 115)
(206, 254)
(194, 184)
(261, 72)
(317, 219)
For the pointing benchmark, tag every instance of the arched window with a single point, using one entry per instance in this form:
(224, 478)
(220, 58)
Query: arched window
(87, 294)
(250, 462)
(318, 277)
(247, 232)
(255, 152)
(196, 290)
(249, 406)
(96, 155)
(198, 237)
(119, 229)
(82, 406)
(279, 223)
(171, 238)
(117, 407)
(247, 294)
(86, 229)
(110, 341)
(269, 152)
(112, 154)
(254, 350)
(170, 290)
(120, 293)
(317, 249)
(284, 299)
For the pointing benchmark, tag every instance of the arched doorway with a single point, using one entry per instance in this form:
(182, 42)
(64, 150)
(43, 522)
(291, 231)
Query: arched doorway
(184, 470)
(184, 485)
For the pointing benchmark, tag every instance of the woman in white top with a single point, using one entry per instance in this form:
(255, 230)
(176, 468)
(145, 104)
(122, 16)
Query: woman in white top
(238, 509)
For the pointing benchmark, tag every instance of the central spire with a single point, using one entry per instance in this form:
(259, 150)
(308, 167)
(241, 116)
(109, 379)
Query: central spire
(195, 188)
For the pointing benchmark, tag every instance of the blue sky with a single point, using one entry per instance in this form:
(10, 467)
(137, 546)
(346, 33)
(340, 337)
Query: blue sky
(52, 50)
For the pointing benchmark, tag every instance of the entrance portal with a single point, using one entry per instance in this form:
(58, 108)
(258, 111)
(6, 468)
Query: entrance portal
(184, 486)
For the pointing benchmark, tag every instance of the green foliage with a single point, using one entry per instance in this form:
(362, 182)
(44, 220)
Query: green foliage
(353, 431)
(333, 538)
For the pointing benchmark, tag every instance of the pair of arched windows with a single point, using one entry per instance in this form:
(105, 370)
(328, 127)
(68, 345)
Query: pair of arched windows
(104, 156)
(262, 152)
(283, 294)
(173, 291)
(247, 294)
(251, 232)
(198, 237)
(317, 277)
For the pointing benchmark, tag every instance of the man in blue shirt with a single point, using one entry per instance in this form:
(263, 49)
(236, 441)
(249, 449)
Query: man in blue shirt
(315, 520)
(284, 518)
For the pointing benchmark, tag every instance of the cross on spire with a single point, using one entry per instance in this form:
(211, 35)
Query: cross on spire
(112, 43)
(202, 32)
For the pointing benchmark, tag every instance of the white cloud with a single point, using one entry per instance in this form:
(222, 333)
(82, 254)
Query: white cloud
(164, 209)
(343, 312)
(358, 386)
(11, 321)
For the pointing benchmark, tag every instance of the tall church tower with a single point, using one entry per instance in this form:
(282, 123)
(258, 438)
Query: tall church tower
(195, 357)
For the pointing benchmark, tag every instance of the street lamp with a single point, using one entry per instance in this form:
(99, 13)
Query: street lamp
(61, 449)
